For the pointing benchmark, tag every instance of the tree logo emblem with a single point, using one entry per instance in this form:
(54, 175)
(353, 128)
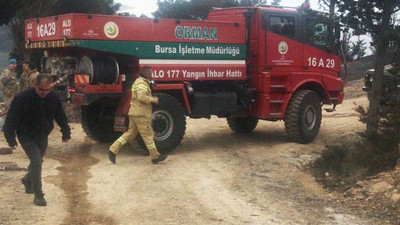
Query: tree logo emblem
(283, 47)
(111, 30)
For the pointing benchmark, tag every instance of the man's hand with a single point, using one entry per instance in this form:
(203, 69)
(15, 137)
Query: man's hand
(154, 100)
(65, 140)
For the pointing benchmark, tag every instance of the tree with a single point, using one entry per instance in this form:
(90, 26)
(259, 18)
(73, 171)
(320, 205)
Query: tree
(8, 9)
(330, 6)
(196, 9)
(358, 49)
(5, 44)
(345, 45)
(87, 6)
(375, 18)
(276, 2)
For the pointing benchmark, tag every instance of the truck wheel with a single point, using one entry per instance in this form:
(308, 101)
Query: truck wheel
(303, 116)
(243, 124)
(98, 120)
(169, 124)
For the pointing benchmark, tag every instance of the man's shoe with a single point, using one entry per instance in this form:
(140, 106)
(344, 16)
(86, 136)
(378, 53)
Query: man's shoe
(39, 200)
(28, 185)
(160, 158)
(111, 156)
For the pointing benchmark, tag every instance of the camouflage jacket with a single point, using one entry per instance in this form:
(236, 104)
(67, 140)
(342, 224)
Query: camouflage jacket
(27, 80)
(8, 83)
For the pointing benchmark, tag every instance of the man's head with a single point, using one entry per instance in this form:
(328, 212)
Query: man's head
(28, 66)
(12, 64)
(146, 72)
(42, 85)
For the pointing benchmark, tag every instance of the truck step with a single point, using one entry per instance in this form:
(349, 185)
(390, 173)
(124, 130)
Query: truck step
(275, 114)
(276, 101)
(277, 86)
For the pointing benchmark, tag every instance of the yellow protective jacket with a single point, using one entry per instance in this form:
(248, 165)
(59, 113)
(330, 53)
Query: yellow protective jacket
(141, 95)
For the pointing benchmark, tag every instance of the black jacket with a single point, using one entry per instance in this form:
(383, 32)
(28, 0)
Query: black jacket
(32, 116)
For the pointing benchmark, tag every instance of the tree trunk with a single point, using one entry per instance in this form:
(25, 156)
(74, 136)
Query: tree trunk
(332, 7)
(377, 84)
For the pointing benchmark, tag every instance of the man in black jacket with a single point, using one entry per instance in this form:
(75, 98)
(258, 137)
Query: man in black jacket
(30, 117)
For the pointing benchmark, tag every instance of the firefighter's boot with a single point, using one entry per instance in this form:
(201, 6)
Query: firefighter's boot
(112, 156)
(160, 158)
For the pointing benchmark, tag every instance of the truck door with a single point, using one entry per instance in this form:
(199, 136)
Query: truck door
(283, 49)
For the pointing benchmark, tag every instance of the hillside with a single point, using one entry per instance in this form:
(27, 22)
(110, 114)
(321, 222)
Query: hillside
(356, 69)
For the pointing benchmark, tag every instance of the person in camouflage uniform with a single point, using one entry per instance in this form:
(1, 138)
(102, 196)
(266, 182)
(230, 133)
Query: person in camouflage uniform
(9, 83)
(28, 77)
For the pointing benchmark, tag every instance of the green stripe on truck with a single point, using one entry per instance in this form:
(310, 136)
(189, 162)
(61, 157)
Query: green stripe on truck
(158, 50)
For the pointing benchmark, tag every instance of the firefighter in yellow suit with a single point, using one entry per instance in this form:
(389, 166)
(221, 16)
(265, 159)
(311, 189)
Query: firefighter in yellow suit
(140, 118)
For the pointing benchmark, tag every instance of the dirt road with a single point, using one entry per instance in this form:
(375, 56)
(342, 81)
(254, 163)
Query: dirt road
(214, 177)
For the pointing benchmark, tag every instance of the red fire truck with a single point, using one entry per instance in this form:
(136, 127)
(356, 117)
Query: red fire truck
(244, 64)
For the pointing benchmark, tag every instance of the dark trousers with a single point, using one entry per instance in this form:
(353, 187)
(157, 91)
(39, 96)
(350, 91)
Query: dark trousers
(35, 151)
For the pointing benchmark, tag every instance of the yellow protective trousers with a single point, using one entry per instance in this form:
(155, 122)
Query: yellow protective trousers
(143, 126)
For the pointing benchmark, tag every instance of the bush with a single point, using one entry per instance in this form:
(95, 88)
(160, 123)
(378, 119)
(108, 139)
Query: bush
(346, 162)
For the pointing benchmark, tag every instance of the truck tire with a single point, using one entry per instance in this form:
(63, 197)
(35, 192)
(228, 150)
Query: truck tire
(98, 120)
(243, 124)
(303, 116)
(169, 124)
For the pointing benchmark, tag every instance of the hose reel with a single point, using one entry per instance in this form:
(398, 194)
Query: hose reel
(100, 70)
